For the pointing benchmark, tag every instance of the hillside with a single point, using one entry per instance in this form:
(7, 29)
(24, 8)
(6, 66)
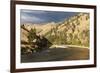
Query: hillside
(72, 31)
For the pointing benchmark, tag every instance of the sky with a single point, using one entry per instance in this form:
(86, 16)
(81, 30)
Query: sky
(39, 16)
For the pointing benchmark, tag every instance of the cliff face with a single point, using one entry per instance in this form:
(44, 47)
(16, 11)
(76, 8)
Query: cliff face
(74, 31)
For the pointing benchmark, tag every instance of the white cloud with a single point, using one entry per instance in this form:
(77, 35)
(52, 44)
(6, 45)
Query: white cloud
(27, 18)
(33, 11)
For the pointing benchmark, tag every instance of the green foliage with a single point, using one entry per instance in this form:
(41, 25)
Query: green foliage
(71, 35)
(67, 32)
(23, 50)
(32, 35)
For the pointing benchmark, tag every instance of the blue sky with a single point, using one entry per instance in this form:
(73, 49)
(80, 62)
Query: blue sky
(38, 16)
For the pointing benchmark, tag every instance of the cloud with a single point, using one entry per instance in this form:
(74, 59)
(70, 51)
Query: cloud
(33, 11)
(38, 16)
(30, 18)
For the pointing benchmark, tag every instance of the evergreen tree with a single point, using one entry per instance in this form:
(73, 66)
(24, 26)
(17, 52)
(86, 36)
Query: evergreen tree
(32, 35)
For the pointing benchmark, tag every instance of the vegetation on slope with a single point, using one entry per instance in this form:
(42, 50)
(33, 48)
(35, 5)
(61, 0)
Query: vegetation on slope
(74, 31)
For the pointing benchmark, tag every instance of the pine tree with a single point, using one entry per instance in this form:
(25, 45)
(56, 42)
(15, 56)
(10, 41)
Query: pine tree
(32, 35)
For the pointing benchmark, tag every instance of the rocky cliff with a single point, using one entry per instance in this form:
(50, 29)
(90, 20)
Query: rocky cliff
(72, 31)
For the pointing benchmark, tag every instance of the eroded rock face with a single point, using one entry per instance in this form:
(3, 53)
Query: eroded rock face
(72, 31)
(37, 43)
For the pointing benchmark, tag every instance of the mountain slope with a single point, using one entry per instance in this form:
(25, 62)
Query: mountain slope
(74, 31)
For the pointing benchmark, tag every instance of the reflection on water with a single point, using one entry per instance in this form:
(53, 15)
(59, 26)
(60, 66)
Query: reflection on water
(57, 54)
